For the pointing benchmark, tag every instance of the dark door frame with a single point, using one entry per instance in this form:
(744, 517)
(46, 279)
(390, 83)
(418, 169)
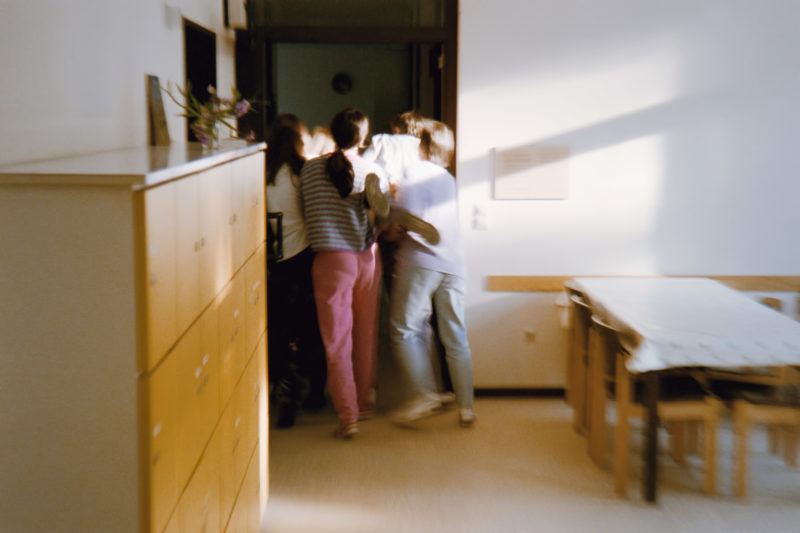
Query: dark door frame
(262, 38)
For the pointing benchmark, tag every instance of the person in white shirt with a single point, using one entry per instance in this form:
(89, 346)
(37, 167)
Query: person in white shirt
(297, 368)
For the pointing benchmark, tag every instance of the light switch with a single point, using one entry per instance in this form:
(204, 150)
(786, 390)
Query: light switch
(480, 217)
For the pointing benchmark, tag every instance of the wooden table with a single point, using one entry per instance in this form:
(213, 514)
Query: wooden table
(687, 322)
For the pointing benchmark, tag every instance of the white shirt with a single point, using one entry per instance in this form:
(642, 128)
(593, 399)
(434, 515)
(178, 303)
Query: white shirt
(394, 153)
(284, 196)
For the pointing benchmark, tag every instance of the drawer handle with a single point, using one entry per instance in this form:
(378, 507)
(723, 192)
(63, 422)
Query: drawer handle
(235, 445)
(156, 457)
(235, 314)
(156, 430)
(199, 388)
(202, 242)
(205, 359)
(256, 285)
(196, 246)
(197, 372)
(235, 332)
(153, 278)
(232, 219)
(237, 422)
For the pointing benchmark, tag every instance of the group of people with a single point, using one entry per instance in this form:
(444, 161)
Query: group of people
(324, 290)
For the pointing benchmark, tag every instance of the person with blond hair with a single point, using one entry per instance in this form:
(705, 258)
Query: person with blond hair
(430, 277)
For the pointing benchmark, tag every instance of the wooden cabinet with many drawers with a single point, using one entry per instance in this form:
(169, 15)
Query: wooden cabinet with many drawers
(133, 355)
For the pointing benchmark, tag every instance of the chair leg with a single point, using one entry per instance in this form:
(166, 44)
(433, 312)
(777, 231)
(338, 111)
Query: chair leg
(710, 447)
(579, 394)
(740, 426)
(597, 404)
(692, 436)
(623, 392)
(790, 445)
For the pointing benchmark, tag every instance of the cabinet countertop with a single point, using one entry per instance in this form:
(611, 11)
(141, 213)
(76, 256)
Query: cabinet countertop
(137, 168)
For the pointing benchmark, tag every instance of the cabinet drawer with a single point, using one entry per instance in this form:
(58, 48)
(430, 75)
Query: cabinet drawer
(160, 326)
(162, 433)
(255, 272)
(197, 389)
(246, 514)
(199, 506)
(248, 214)
(232, 334)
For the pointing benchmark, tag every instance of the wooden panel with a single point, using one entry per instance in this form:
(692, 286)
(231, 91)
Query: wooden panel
(159, 282)
(248, 215)
(188, 244)
(233, 357)
(162, 442)
(255, 272)
(199, 508)
(556, 283)
(215, 268)
(197, 389)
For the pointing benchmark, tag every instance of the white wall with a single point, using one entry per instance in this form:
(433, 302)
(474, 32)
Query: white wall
(682, 118)
(73, 73)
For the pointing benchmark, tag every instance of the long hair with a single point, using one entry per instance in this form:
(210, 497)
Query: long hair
(348, 128)
(436, 143)
(285, 145)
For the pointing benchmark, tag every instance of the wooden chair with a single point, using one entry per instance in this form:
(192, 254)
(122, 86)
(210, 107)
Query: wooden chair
(571, 290)
(780, 409)
(675, 410)
(579, 362)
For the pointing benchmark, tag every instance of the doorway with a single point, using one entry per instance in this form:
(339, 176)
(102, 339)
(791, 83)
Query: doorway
(423, 62)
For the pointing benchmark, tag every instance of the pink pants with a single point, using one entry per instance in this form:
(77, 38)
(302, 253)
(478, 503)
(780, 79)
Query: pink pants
(346, 286)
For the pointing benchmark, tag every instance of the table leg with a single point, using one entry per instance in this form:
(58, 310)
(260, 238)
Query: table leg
(650, 433)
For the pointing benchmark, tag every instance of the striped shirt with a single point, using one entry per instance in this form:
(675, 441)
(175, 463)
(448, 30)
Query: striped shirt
(333, 222)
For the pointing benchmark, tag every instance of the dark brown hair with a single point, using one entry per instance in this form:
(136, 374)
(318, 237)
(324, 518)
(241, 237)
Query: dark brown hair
(348, 128)
(285, 145)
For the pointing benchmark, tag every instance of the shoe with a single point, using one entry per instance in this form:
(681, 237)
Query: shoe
(417, 409)
(286, 416)
(466, 417)
(375, 198)
(366, 413)
(346, 431)
(447, 398)
(426, 230)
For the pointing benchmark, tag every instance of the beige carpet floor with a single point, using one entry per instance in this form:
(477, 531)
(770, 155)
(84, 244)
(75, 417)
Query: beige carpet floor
(521, 468)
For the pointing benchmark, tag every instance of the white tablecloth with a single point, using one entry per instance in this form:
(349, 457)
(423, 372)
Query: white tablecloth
(672, 322)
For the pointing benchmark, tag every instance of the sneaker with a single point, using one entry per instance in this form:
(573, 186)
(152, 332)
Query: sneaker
(367, 413)
(426, 230)
(466, 417)
(375, 198)
(417, 409)
(346, 431)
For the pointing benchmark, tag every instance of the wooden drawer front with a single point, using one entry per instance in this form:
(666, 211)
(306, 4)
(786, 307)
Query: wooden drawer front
(249, 397)
(246, 515)
(215, 199)
(159, 284)
(162, 427)
(199, 507)
(232, 335)
(197, 387)
(263, 424)
(248, 214)
(188, 244)
(255, 273)
(232, 427)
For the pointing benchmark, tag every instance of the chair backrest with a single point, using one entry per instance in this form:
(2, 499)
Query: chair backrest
(609, 344)
(274, 236)
(582, 320)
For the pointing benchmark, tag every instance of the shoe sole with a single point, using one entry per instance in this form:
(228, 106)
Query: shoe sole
(375, 198)
(426, 230)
